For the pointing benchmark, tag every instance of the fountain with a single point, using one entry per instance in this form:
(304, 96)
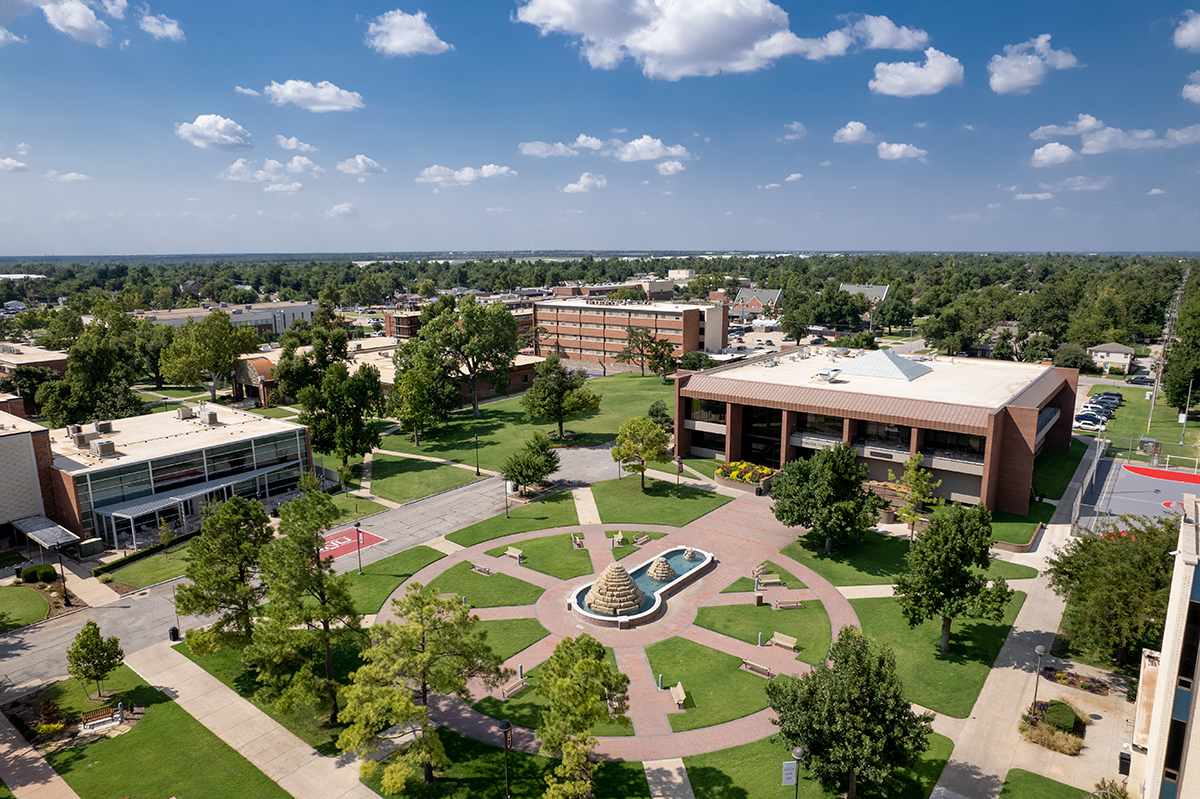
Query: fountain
(623, 599)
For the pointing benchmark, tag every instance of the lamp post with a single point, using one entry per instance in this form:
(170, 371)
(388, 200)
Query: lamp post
(678, 472)
(797, 755)
(504, 488)
(358, 535)
(1041, 651)
(66, 596)
(506, 729)
(477, 454)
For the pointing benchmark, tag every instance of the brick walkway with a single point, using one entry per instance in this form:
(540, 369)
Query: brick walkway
(24, 771)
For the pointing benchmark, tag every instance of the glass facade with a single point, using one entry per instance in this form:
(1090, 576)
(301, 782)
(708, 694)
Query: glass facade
(881, 434)
(714, 441)
(954, 445)
(702, 410)
(819, 424)
(762, 430)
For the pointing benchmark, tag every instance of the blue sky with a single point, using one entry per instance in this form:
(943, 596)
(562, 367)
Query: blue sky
(184, 127)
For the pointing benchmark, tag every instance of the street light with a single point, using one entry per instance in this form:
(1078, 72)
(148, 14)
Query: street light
(504, 488)
(358, 534)
(798, 755)
(477, 454)
(1041, 651)
(506, 729)
(66, 596)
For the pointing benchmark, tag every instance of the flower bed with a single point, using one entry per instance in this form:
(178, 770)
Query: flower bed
(744, 472)
(1076, 681)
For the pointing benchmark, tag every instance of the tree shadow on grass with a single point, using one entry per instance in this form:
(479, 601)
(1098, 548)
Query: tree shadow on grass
(974, 641)
(877, 555)
(712, 783)
(477, 772)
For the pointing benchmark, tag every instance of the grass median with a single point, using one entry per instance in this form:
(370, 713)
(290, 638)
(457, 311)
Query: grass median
(808, 625)
(406, 479)
(625, 502)
(20, 607)
(557, 510)
(717, 688)
(485, 591)
(554, 555)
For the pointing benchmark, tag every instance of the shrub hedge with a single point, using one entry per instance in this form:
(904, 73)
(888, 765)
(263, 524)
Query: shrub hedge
(45, 573)
(1060, 716)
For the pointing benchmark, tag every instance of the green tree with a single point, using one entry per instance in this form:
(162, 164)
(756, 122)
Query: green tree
(423, 394)
(309, 610)
(25, 380)
(825, 494)
(637, 349)
(851, 716)
(696, 361)
(92, 657)
(338, 413)
(536, 461)
(895, 311)
(207, 350)
(1073, 356)
(573, 777)
(946, 572)
(152, 341)
(639, 441)
(480, 339)
(224, 574)
(1004, 349)
(1037, 347)
(434, 647)
(581, 688)
(97, 382)
(862, 340)
(1117, 583)
(660, 357)
(918, 485)
(661, 416)
(298, 369)
(952, 329)
(427, 288)
(65, 328)
(558, 393)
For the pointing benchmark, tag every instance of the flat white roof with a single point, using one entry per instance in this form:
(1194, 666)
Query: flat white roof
(584, 302)
(18, 354)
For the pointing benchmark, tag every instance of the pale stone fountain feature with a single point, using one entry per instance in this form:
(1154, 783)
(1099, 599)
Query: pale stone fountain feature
(689, 554)
(615, 593)
(661, 570)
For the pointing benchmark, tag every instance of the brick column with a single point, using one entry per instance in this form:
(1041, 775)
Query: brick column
(849, 429)
(787, 452)
(733, 432)
(683, 436)
(916, 441)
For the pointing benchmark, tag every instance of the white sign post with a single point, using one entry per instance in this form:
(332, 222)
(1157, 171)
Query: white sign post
(789, 772)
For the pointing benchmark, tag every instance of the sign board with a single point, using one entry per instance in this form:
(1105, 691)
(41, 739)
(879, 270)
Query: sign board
(789, 772)
(1183, 418)
(681, 467)
(508, 740)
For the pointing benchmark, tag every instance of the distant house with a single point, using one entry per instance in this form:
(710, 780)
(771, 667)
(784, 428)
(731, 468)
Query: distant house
(193, 287)
(1112, 354)
(749, 303)
(874, 294)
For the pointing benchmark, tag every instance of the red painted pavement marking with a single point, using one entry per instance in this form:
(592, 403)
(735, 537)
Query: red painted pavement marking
(345, 542)
(1163, 474)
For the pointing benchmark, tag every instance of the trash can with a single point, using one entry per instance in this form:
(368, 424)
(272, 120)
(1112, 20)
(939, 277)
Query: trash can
(17, 571)
(1123, 764)
(758, 491)
(173, 634)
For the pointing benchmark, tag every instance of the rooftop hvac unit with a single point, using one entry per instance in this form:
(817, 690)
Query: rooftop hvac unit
(104, 446)
(103, 427)
(74, 429)
(248, 307)
(208, 417)
(184, 412)
(80, 440)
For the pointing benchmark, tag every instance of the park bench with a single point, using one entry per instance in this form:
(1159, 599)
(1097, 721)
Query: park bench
(514, 688)
(577, 541)
(619, 540)
(779, 639)
(757, 668)
(484, 570)
(769, 579)
(678, 694)
(513, 552)
(642, 539)
(788, 604)
(759, 570)
(96, 716)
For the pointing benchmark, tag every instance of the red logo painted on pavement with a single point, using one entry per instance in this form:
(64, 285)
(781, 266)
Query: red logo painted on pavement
(346, 542)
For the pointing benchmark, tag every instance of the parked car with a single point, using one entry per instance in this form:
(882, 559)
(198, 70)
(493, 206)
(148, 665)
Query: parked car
(817, 340)
(1090, 417)
(961, 355)
(1112, 395)
(1097, 410)
(1111, 402)
(1140, 380)
(1089, 426)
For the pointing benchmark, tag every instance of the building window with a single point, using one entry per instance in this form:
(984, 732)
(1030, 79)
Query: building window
(702, 410)
(524, 378)
(706, 440)
(882, 434)
(1176, 739)
(762, 422)
(1191, 642)
(818, 424)
(954, 445)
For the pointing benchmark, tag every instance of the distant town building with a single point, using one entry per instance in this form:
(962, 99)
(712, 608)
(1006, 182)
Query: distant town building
(14, 355)
(655, 290)
(749, 303)
(1112, 354)
(269, 318)
(874, 294)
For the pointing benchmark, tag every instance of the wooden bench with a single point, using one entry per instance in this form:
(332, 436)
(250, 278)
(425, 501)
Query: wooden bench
(484, 570)
(678, 694)
(759, 570)
(769, 579)
(788, 604)
(787, 641)
(101, 714)
(577, 541)
(619, 540)
(513, 552)
(757, 668)
(642, 540)
(514, 688)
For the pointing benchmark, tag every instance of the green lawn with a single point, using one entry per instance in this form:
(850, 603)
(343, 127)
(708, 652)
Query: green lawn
(304, 721)
(5, 793)
(156, 568)
(351, 507)
(155, 406)
(553, 555)
(877, 560)
(706, 466)
(21, 606)
(503, 430)
(406, 479)
(1007, 570)
(624, 502)
(1020, 529)
(808, 625)
(718, 690)
(525, 709)
(490, 591)
(381, 578)
(510, 636)
(947, 683)
(752, 771)
(274, 413)
(744, 584)
(557, 510)
(1129, 424)
(1020, 784)
(1052, 471)
(11, 557)
(624, 551)
(178, 392)
(74, 697)
(167, 753)
(477, 772)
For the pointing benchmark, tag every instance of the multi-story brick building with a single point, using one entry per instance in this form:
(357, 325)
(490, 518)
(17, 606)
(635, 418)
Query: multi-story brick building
(268, 318)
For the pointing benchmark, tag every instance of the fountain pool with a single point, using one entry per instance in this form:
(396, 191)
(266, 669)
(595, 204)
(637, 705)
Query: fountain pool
(686, 571)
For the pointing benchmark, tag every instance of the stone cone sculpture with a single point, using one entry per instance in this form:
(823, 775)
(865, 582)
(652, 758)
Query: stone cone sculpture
(661, 570)
(689, 554)
(615, 593)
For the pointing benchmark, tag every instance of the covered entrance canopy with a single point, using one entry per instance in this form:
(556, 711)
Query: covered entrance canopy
(41, 530)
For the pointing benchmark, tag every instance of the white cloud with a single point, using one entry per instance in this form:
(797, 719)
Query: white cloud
(650, 149)
(244, 90)
(920, 124)
(793, 177)
(12, 165)
(8, 37)
(898, 152)
(826, 163)
(853, 132)
(242, 170)
(1085, 124)
(1187, 35)
(360, 165)
(397, 33)
(796, 130)
(341, 210)
(619, 130)
(1192, 90)
(770, 186)
(880, 33)
(215, 132)
(283, 188)
(77, 20)
(294, 144)
(160, 26)
(1081, 183)
(541, 149)
(1053, 154)
(1098, 137)
(115, 8)
(445, 176)
(498, 210)
(588, 142)
(1155, 192)
(669, 168)
(69, 177)
(994, 206)
(1025, 65)
(1044, 195)
(910, 79)
(301, 164)
(968, 127)
(1007, 188)
(320, 98)
(587, 181)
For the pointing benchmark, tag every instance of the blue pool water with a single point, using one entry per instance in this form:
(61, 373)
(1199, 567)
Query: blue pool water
(648, 584)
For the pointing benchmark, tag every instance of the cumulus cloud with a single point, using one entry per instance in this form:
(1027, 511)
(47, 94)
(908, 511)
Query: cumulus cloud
(826, 163)
(1155, 192)
(115, 8)
(215, 132)
(1098, 137)
(541, 149)
(1025, 65)
(160, 26)
(341, 210)
(498, 210)
(793, 177)
(12, 165)
(8, 37)
(1053, 154)
(22, 148)
(910, 79)
(445, 176)
(320, 98)
(669, 168)
(360, 165)
(587, 181)
(283, 188)
(899, 152)
(853, 132)
(1082, 183)
(1043, 195)
(244, 90)
(69, 177)
(672, 39)
(303, 165)
(994, 206)
(1187, 35)
(243, 170)
(76, 19)
(293, 144)
(1085, 124)
(650, 149)
(397, 33)
(1192, 90)
(796, 130)
(770, 186)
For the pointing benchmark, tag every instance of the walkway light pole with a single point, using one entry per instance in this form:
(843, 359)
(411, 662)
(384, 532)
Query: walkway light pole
(358, 535)
(477, 454)
(506, 728)
(504, 488)
(66, 596)
(1041, 651)
(798, 755)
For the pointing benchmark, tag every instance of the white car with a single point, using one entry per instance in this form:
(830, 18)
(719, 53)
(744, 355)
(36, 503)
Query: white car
(1091, 427)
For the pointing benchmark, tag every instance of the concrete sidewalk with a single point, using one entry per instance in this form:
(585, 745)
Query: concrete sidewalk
(294, 765)
(24, 771)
